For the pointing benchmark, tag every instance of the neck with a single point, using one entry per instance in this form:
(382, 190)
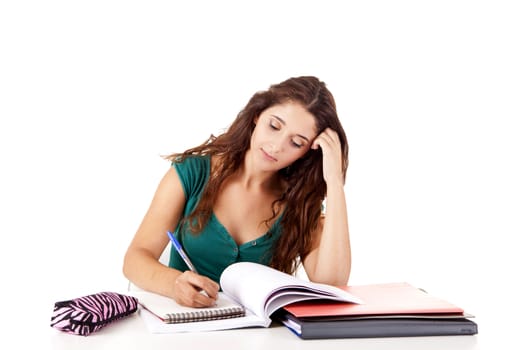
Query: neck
(252, 178)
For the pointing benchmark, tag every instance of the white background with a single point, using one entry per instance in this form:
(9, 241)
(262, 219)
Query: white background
(431, 95)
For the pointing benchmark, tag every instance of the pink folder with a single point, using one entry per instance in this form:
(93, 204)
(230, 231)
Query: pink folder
(378, 299)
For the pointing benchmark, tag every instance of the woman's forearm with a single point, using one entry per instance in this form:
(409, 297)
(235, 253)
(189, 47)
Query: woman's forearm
(333, 261)
(148, 273)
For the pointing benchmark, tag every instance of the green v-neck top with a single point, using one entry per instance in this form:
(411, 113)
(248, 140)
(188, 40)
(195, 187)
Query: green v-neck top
(213, 249)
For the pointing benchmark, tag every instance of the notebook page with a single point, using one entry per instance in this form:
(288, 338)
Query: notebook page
(161, 306)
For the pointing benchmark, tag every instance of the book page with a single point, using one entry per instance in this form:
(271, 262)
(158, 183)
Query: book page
(263, 290)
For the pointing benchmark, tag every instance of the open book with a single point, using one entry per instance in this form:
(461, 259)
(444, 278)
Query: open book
(257, 289)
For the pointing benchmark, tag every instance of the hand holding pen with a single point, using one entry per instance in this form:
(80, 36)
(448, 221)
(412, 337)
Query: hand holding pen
(190, 281)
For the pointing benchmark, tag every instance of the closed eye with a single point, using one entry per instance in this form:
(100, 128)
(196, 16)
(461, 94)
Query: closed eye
(296, 144)
(276, 126)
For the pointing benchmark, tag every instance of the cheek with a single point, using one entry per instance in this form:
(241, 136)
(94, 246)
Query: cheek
(261, 136)
(304, 152)
(256, 136)
(296, 153)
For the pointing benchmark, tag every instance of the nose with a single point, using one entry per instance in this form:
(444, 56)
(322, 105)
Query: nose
(278, 143)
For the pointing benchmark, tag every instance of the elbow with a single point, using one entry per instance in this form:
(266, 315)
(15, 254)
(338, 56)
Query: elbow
(333, 281)
(337, 277)
(341, 275)
(125, 271)
(126, 268)
(340, 280)
(346, 276)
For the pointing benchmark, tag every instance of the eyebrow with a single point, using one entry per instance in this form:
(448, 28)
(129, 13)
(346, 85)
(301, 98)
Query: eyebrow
(283, 122)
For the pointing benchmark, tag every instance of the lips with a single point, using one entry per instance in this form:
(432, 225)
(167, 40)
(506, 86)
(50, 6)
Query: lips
(267, 156)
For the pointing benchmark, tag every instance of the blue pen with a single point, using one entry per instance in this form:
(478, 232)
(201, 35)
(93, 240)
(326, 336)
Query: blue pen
(184, 257)
(181, 252)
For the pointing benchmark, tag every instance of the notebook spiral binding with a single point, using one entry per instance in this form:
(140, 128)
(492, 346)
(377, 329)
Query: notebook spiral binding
(205, 315)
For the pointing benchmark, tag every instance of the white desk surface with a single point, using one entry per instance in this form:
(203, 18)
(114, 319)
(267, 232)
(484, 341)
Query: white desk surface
(131, 333)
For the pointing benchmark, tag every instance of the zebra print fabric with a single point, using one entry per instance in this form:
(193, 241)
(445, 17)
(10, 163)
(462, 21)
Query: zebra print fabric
(88, 314)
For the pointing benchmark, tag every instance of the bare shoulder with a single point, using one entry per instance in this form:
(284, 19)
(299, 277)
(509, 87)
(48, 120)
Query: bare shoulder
(170, 184)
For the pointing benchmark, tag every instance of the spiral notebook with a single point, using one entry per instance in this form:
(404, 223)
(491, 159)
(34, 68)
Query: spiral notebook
(167, 310)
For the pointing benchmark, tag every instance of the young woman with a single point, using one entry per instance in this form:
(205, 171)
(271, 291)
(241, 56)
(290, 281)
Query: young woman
(254, 193)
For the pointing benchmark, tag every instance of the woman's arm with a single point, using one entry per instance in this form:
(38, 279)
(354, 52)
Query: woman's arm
(141, 262)
(330, 259)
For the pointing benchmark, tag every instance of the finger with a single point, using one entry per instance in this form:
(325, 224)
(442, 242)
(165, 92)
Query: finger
(330, 136)
(211, 289)
(201, 299)
(203, 284)
(322, 141)
(193, 298)
(189, 294)
(317, 141)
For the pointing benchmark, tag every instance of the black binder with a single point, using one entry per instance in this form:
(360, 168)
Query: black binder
(376, 326)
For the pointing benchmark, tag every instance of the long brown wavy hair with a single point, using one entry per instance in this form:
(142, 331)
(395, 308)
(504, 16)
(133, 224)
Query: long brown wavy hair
(305, 188)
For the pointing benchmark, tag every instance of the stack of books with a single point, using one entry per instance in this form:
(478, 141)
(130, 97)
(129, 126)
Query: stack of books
(387, 310)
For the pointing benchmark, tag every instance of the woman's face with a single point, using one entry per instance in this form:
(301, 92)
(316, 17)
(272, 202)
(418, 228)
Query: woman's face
(283, 133)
